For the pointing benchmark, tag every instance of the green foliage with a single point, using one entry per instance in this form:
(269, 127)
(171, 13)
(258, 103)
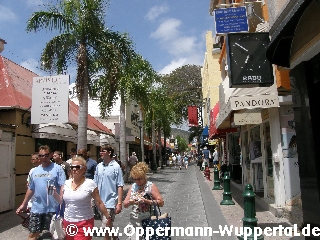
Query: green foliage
(100, 55)
(195, 132)
(182, 144)
(183, 87)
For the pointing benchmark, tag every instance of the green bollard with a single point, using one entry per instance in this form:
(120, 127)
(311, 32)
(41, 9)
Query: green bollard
(227, 198)
(249, 207)
(216, 180)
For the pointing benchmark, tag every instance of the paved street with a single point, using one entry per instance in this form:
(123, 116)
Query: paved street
(189, 200)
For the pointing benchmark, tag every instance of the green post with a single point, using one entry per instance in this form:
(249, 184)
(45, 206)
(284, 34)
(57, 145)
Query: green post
(249, 208)
(216, 185)
(227, 198)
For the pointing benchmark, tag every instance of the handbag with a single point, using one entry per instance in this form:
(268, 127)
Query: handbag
(56, 228)
(25, 219)
(157, 221)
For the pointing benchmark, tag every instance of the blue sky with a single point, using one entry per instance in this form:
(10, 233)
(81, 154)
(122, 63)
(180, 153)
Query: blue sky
(169, 34)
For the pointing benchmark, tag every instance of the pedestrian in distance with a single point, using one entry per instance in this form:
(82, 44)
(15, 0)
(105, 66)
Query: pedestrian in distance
(141, 196)
(44, 205)
(206, 157)
(91, 164)
(200, 161)
(133, 160)
(35, 160)
(186, 161)
(77, 194)
(215, 157)
(57, 158)
(109, 179)
(73, 152)
(174, 161)
(123, 167)
(178, 159)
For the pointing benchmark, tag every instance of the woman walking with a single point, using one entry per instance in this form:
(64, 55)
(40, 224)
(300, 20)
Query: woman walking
(77, 194)
(141, 195)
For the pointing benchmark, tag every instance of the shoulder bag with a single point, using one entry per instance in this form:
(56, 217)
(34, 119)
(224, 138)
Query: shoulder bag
(158, 222)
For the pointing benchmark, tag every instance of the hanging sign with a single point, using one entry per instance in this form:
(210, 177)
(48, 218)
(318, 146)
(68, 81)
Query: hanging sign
(247, 118)
(231, 20)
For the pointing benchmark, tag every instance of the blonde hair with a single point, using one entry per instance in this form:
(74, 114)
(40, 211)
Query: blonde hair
(139, 170)
(79, 159)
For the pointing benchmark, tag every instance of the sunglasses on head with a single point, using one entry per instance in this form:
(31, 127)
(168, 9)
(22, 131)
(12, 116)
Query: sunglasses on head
(44, 155)
(76, 166)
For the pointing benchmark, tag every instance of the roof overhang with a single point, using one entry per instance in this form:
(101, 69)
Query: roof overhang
(282, 34)
(236, 99)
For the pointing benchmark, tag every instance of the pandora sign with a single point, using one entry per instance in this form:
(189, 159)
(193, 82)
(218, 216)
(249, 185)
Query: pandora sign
(261, 101)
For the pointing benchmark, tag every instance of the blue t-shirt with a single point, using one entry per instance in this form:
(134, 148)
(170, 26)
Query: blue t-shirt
(206, 153)
(42, 202)
(108, 178)
(91, 168)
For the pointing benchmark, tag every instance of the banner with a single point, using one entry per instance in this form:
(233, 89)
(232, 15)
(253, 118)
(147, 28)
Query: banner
(193, 116)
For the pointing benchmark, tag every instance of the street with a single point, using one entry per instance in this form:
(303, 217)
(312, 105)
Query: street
(189, 201)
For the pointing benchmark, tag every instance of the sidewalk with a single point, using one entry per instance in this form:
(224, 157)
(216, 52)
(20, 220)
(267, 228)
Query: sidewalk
(234, 213)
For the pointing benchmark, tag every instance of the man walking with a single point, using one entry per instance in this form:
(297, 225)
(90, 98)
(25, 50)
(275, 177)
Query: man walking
(57, 158)
(73, 152)
(133, 160)
(44, 205)
(109, 179)
(35, 160)
(91, 164)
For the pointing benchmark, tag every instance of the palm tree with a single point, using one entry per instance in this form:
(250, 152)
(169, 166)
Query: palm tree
(98, 53)
(134, 84)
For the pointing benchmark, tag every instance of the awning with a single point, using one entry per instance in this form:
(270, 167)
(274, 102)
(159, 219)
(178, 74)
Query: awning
(279, 49)
(58, 131)
(204, 136)
(231, 99)
(214, 132)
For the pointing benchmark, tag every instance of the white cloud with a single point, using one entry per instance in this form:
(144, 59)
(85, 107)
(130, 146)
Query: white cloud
(182, 46)
(6, 14)
(167, 30)
(173, 65)
(185, 49)
(156, 11)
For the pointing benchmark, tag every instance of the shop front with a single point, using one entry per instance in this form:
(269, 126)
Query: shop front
(253, 112)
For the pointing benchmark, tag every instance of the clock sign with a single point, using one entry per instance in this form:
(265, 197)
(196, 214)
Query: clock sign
(247, 59)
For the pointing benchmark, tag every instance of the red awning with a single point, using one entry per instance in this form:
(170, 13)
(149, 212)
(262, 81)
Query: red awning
(213, 131)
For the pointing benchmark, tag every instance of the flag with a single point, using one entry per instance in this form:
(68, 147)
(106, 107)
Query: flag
(193, 116)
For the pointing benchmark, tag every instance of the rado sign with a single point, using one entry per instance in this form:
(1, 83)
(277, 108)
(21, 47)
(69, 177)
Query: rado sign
(261, 101)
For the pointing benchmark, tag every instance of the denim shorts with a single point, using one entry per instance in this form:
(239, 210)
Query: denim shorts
(40, 221)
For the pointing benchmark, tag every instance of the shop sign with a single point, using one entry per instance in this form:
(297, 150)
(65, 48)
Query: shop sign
(247, 118)
(50, 96)
(261, 101)
(213, 142)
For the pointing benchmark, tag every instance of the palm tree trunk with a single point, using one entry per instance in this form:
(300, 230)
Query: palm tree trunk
(123, 144)
(154, 148)
(160, 147)
(83, 86)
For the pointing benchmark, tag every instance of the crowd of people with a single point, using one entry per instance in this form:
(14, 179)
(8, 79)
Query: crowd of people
(81, 184)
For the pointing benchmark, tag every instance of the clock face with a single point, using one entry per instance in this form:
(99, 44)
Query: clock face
(247, 58)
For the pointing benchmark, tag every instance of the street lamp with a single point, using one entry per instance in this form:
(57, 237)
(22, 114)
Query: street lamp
(140, 125)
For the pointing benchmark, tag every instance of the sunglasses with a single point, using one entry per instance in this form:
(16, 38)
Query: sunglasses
(76, 166)
(44, 155)
(137, 179)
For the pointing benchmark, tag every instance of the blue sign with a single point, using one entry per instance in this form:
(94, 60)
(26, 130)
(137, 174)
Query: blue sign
(230, 20)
